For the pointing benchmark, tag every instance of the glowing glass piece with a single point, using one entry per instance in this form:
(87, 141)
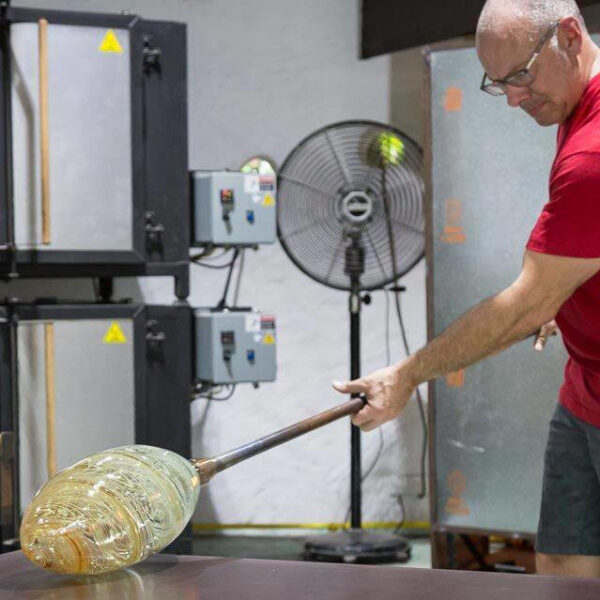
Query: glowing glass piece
(110, 510)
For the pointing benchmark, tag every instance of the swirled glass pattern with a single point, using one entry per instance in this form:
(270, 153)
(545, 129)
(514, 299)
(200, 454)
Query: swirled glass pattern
(110, 510)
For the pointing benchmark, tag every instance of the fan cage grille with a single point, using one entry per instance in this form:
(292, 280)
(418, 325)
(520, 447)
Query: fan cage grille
(326, 184)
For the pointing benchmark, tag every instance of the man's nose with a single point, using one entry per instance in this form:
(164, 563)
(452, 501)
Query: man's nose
(516, 95)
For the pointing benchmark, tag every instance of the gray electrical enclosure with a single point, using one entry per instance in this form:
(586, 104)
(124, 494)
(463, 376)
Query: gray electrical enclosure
(235, 346)
(232, 208)
(489, 167)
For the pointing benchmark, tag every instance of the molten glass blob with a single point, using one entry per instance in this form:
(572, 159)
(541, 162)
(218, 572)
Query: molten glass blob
(110, 510)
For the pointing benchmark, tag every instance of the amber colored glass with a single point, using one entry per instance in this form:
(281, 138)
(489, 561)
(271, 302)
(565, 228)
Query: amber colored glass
(110, 510)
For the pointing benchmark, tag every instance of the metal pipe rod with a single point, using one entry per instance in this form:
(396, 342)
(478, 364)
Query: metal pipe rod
(50, 400)
(44, 129)
(207, 467)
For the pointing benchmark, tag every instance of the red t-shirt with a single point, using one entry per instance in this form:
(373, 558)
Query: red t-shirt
(570, 226)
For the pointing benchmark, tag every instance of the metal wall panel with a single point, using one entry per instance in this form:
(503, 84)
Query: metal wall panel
(489, 177)
(95, 400)
(90, 139)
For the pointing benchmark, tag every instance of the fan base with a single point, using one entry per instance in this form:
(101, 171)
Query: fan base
(357, 545)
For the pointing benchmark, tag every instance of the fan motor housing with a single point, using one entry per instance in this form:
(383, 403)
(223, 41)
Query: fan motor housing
(357, 207)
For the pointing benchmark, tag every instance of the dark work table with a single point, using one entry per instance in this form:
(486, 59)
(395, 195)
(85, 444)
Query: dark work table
(169, 577)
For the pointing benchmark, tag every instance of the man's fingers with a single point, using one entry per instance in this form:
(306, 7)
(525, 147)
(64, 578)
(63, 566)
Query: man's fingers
(540, 342)
(543, 334)
(350, 387)
(363, 416)
(369, 426)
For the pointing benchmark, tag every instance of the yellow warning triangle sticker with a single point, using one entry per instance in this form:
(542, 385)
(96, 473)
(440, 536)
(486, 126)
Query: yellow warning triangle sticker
(269, 339)
(110, 43)
(114, 335)
(268, 200)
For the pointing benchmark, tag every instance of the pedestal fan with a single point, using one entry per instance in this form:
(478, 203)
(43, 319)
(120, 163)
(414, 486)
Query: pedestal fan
(350, 216)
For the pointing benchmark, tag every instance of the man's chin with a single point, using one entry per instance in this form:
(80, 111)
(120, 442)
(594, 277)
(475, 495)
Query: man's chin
(545, 119)
(545, 122)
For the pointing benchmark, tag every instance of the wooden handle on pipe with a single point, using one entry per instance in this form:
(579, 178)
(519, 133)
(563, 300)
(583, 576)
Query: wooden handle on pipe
(50, 400)
(44, 129)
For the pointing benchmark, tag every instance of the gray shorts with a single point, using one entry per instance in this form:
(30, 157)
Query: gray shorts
(570, 513)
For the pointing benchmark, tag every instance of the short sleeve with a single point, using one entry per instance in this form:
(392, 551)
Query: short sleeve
(570, 222)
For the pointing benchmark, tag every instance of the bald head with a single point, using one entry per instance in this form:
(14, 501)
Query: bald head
(525, 16)
(548, 41)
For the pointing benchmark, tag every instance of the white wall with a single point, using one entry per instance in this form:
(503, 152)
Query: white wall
(262, 75)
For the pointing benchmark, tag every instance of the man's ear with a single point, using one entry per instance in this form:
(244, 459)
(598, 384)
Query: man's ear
(570, 35)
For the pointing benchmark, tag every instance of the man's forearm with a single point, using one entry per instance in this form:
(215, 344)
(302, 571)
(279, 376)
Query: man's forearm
(491, 326)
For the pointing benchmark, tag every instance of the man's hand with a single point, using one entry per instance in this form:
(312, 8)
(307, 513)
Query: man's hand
(387, 393)
(546, 331)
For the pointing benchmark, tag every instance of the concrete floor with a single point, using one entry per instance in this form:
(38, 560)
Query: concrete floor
(278, 547)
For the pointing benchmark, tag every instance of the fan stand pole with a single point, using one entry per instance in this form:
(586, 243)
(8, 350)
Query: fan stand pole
(355, 463)
(356, 544)
(354, 267)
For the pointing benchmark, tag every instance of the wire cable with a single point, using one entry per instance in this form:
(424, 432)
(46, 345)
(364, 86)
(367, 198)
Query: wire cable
(420, 404)
(223, 301)
(377, 456)
(388, 352)
(211, 394)
(206, 254)
(207, 266)
(371, 467)
(422, 415)
(227, 396)
(236, 294)
(400, 499)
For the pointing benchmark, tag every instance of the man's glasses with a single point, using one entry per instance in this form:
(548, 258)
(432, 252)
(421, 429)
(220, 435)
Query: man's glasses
(520, 78)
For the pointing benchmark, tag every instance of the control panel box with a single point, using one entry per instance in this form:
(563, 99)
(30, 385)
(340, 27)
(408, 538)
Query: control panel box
(233, 208)
(235, 346)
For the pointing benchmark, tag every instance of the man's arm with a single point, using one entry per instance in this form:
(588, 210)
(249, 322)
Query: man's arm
(544, 284)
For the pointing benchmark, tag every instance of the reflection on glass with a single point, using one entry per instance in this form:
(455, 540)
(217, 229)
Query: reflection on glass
(110, 510)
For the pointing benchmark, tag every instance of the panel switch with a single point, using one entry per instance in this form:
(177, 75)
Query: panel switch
(227, 202)
(227, 337)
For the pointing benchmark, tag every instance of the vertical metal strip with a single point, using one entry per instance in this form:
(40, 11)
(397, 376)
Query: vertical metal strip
(50, 399)
(7, 467)
(428, 206)
(14, 376)
(44, 129)
(6, 131)
(141, 392)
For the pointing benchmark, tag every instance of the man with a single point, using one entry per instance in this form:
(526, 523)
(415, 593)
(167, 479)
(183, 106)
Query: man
(540, 56)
